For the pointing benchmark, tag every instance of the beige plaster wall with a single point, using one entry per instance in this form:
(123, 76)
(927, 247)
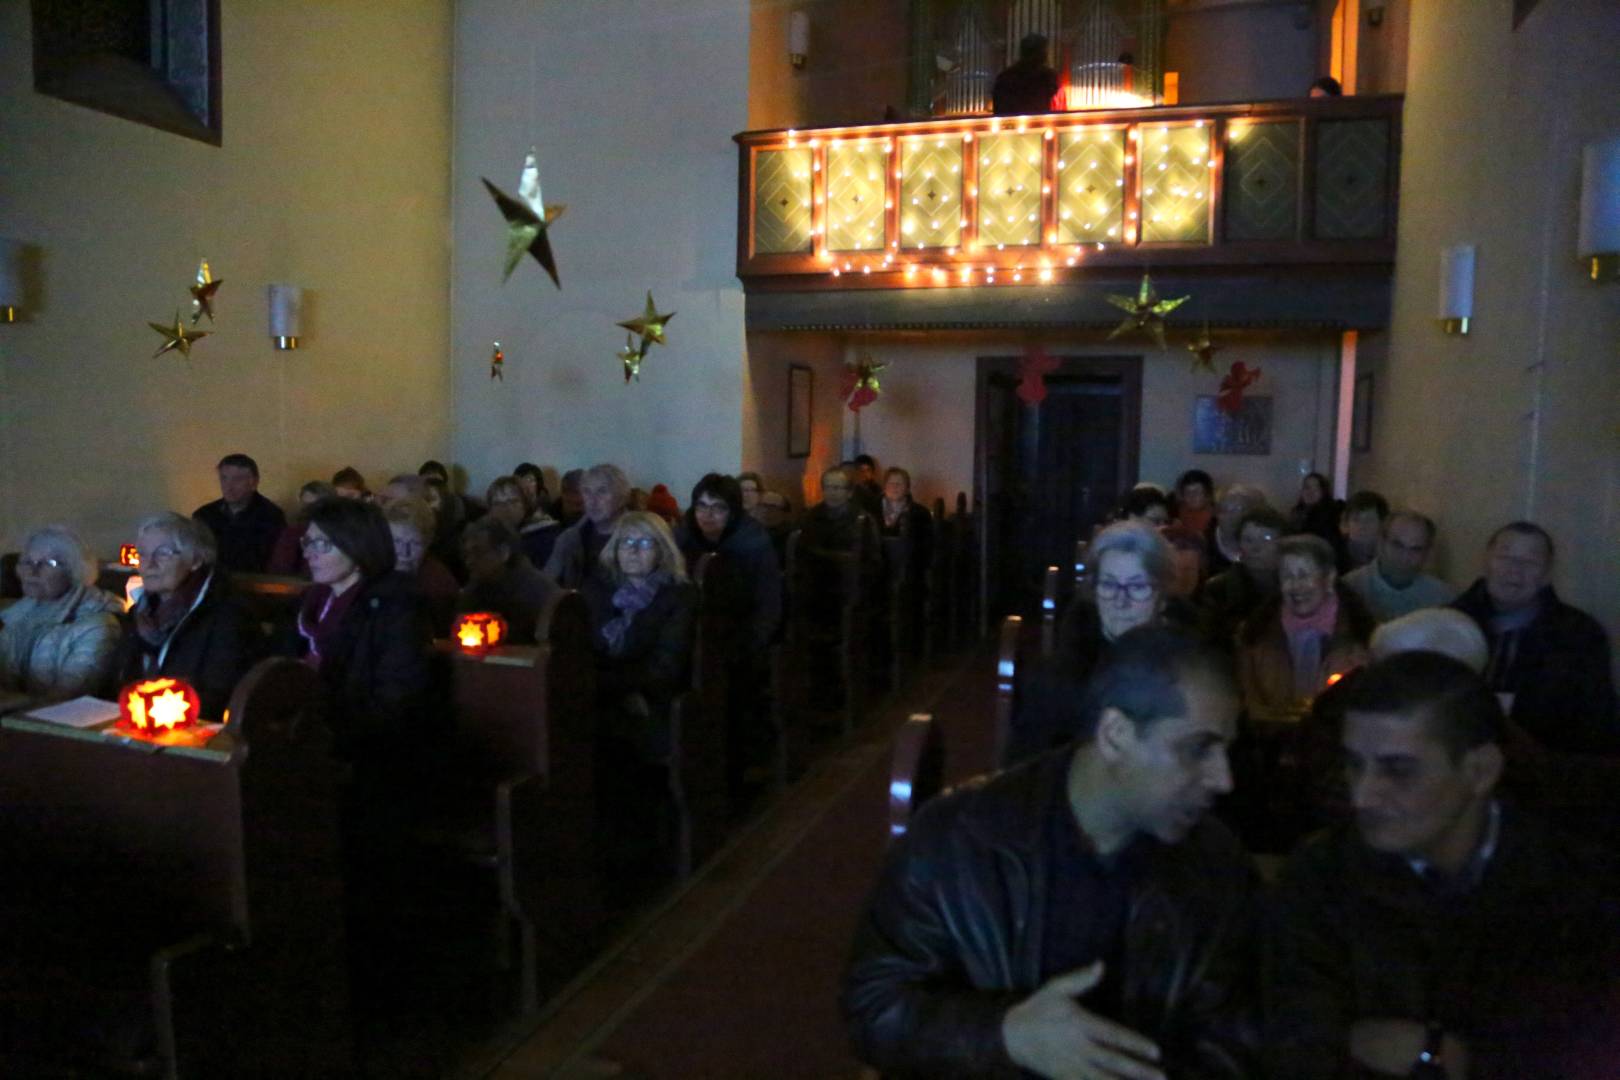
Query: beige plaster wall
(333, 175)
(856, 65)
(1522, 417)
(765, 411)
(632, 107)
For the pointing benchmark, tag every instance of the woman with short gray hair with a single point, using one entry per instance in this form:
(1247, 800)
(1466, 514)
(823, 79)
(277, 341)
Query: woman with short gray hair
(58, 641)
(188, 624)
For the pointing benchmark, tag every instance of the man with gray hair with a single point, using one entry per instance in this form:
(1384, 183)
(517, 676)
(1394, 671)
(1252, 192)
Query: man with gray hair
(605, 491)
(1394, 583)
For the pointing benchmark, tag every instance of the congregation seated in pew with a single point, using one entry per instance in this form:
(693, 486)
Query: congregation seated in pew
(188, 622)
(1229, 597)
(501, 578)
(60, 640)
(246, 525)
(287, 558)
(508, 498)
(411, 523)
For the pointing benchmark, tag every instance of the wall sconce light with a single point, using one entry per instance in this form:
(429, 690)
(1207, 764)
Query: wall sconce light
(1375, 12)
(11, 287)
(1599, 244)
(1456, 288)
(286, 311)
(798, 38)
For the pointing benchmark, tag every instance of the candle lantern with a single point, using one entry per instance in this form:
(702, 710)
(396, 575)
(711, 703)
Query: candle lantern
(480, 631)
(129, 555)
(153, 706)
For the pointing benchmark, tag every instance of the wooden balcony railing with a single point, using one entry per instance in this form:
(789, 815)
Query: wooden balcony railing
(1028, 200)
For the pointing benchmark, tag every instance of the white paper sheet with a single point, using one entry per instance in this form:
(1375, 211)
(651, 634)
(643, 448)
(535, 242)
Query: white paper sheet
(83, 712)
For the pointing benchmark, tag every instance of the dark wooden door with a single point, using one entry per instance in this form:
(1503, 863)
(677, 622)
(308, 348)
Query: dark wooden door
(1051, 473)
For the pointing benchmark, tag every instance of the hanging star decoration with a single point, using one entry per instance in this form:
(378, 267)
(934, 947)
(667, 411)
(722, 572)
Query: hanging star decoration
(528, 221)
(1032, 372)
(202, 294)
(179, 336)
(861, 386)
(1203, 352)
(649, 324)
(497, 362)
(1144, 311)
(631, 357)
(1230, 398)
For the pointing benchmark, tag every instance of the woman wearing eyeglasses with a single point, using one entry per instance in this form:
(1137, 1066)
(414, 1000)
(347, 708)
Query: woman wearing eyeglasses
(361, 626)
(58, 641)
(1135, 569)
(188, 624)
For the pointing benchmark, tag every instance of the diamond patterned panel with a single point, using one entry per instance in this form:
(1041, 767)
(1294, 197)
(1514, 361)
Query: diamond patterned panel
(1091, 185)
(1352, 176)
(855, 196)
(1262, 170)
(1175, 184)
(931, 192)
(1010, 189)
(782, 201)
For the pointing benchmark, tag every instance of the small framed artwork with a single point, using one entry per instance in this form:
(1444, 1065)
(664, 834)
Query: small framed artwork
(1361, 414)
(1218, 432)
(801, 388)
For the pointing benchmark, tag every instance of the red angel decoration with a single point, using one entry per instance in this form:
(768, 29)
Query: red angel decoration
(1032, 372)
(861, 386)
(1230, 398)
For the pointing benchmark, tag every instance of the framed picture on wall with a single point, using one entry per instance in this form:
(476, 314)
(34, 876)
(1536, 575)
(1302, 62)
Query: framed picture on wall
(1361, 414)
(801, 387)
(1217, 432)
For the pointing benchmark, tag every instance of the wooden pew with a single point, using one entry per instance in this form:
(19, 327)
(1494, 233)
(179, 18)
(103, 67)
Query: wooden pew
(1082, 566)
(272, 598)
(942, 601)
(916, 770)
(846, 638)
(10, 583)
(1049, 610)
(894, 617)
(118, 862)
(965, 585)
(1012, 628)
(701, 746)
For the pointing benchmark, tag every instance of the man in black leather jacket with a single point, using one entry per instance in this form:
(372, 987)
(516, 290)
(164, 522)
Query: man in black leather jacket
(1078, 915)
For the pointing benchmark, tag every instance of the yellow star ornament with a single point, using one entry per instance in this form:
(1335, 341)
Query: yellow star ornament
(1144, 311)
(528, 220)
(632, 357)
(649, 324)
(176, 337)
(202, 294)
(1203, 352)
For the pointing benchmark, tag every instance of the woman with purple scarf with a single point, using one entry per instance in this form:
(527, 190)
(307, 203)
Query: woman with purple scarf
(643, 620)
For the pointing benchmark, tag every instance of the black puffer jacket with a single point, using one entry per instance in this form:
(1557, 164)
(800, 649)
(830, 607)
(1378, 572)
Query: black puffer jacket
(211, 648)
(953, 933)
(751, 590)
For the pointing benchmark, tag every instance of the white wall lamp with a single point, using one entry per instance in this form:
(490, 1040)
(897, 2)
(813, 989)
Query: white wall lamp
(1374, 10)
(798, 38)
(11, 284)
(1599, 244)
(286, 313)
(1456, 288)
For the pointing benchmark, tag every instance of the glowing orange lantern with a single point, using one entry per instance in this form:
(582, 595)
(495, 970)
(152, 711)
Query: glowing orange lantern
(480, 631)
(129, 555)
(153, 706)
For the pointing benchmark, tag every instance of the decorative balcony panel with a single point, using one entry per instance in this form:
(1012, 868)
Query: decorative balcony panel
(1176, 168)
(782, 214)
(931, 192)
(1091, 185)
(857, 185)
(1262, 172)
(1064, 197)
(1010, 177)
(1352, 179)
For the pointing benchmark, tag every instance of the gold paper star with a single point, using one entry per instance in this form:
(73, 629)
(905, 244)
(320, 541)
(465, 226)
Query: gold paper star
(649, 324)
(176, 337)
(202, 294)
(632, 357)
(1203, 352)
(1144, 311)
(528, 219)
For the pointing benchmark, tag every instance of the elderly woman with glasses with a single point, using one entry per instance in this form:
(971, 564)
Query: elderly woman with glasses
(59, 640)
(411, 523)
(1134, 573)
(188, 624)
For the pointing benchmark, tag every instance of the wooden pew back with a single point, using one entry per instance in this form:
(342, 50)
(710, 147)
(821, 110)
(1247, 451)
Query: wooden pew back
(916, 772)
(1007, 660)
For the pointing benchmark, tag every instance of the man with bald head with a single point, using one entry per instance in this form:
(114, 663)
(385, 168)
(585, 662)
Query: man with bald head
(1552, 658)
(1394, 583)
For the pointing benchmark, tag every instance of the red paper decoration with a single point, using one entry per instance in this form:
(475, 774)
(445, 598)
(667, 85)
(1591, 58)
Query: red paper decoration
(479, 632)
(1032, 372)
(1230, 398)
(153, 706)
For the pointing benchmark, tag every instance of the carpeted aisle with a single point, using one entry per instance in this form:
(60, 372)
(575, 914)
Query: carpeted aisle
(759, 997)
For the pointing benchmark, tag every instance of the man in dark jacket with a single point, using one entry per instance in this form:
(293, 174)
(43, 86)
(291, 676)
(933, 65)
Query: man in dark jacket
(1444, 932)
(1237, 592)
(1551, 658)
(1078, 914)
(246, 525)
(501, 578)
(1028, 85)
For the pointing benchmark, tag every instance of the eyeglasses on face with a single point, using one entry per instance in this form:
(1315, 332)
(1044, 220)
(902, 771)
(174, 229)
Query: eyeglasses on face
(711, 509)
(319, 545)
(159, 555)
(638, 543)
(32, 565)
(1134, 591)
